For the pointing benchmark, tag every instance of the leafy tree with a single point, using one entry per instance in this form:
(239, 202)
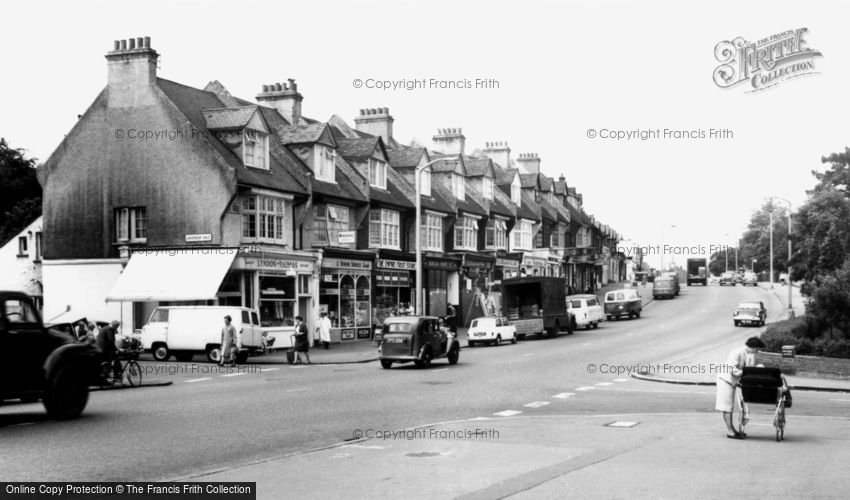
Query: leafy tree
(838, 175)
(821, 235)
(20, 202)
(755, 243)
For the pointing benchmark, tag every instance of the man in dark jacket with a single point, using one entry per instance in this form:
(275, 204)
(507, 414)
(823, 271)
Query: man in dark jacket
(451, 319)
(106, 345)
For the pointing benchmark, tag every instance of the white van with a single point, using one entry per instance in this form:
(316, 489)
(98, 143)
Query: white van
(186, 330)
(586, 310)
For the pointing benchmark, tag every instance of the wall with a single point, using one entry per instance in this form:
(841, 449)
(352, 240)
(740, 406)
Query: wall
(21, 274)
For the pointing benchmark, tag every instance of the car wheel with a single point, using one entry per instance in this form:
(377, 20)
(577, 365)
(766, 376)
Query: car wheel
(521, 336)
(213, 353)
(182, 356)
(637, 315)
(761, 323)
(454, 355)
(160, 352)
(498, 340)
(386, 364)
(242, 357)
(737, 323)
(425, 362)
(67, 393)
(608, 317)
(470, 343)
(513, 339)
(595, 325)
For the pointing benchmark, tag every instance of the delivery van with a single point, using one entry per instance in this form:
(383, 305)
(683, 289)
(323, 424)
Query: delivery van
(188, 330)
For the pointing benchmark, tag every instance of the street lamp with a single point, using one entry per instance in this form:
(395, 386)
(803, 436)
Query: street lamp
(420, 304)
(788, 265)
(672, 226)
(753, 266)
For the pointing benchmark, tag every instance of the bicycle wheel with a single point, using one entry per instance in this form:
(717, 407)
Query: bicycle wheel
(133, 373)
(742, 420)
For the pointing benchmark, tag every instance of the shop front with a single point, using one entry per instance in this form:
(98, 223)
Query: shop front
(533, 266)
(393, 280)
(475, 298)
(345, 293)
(441, 284)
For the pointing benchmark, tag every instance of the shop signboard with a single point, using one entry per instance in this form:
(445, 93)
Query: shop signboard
(346, 237)
(396, 264)
(357, 265)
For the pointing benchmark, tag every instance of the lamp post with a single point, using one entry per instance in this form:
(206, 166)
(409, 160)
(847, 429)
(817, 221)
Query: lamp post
(753, 266)
(672, 226)
(420, 304)
(726, 251)
(788, 265)
(771, 249)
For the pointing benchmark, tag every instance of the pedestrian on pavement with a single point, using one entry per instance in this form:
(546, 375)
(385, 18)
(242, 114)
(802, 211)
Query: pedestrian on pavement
(324, 330)
(302, 343)
(727, 382)
(109, 351)
(228, 343)
(451, 319)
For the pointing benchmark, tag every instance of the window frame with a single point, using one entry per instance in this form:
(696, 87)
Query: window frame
(385, 225)
(425, 182)
(258, 140)
(377, 173)
(262, 217)
(466, 233)
(324, 163)
(496, 227)
(127, 224)
(458, 186)
(487, 188)
(432, 232)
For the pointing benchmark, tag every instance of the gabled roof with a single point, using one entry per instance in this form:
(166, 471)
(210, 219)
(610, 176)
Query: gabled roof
(529, 208)
(228, 118)
(393, 195)
(469, 206)
(529, 181)
(479, 167)
(359, 147)
(281, 174)
(546, 183)
(502, 204)
(505, 176)
(448, 163)
(563, 213)
(306, 134)
(406, 157)
(548, 212)
(561, 187)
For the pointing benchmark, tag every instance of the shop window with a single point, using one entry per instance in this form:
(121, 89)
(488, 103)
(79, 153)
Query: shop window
(277, 301)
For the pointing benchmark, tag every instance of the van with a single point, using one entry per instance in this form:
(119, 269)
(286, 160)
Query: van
(187, 330)
(625, 302)
(663, 288)
(585, 309)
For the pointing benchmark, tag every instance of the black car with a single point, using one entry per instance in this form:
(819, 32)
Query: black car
(70, 328)
(39, 363)
(420, 339)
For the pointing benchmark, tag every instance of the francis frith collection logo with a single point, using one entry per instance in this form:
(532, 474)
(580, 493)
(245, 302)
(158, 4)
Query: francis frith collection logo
(765, 63)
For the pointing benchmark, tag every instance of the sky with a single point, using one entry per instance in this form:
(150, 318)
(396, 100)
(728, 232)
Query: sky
(562, 68)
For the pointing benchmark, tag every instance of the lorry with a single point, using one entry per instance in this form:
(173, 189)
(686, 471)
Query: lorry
(537, 305)
(697, 271)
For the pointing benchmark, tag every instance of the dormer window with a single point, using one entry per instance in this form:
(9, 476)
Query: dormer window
(458, 186)
(425, 182)
(377, 173)
(516, 192)
(487, 188)
(255, 149)
(324, 167)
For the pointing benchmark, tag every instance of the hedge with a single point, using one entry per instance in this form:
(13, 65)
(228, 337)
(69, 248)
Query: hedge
(798, 332)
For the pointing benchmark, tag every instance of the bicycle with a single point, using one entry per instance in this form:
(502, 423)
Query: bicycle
(131, 370)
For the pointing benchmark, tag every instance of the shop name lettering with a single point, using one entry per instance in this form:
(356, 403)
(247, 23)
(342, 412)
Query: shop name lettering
(396, 264)
(766, 63)
(277, 264)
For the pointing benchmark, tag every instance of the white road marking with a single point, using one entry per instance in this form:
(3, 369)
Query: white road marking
(529, 354)
(364, 447)
(198, 380)
(507, 413)
(297, 389)
(602, 384)
(655, 390)
(564, 395)
(440, 370)
(842, 400)
(233, 375)
(585, 388)
(588, 343)
(622, 423)
(269, 369)
(621, 380)
(537, 404)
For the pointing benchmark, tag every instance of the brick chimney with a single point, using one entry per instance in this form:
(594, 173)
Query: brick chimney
(499, 152)
(285, 98)
(529, 163)
(131, 66)
(375, 121)
(449, 141)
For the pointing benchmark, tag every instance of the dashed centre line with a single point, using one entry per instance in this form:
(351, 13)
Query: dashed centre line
(198, 380)
(585, 388)
(564, 395)
(507, 413)
(536, 404)
(232, 375)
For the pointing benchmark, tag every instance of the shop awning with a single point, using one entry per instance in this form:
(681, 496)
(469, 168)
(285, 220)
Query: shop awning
(172, 275)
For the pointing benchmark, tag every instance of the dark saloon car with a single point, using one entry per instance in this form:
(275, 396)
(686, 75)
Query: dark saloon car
(752, 313)
(38, 363)
(416, 338)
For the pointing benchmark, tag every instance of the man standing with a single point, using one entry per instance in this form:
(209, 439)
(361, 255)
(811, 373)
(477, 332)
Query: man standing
(451, 319)
(727, 382)
(106, 345)
(324, 330)
(302, 343)
(228, 343)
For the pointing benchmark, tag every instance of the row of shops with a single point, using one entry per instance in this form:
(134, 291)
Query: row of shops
(357, 289)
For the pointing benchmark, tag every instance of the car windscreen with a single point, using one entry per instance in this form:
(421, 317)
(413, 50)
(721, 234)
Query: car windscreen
(398, 327)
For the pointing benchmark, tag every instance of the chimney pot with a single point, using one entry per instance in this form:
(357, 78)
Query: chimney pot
(123, 44)
(291, 81)
(140, 42)
(373, 111)
(278, 87)
(147, 42)
(265, 88)
(459, 130)
(117, 45)
(132, 44)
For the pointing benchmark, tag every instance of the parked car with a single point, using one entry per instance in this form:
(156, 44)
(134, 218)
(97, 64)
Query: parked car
(675, 277)
(491, 330)
(70, 328)
(586, 310)
(752, 313)
(187, 330)
(626, 302)
(416, 338)
(750, 279)
(739, 277)
(727, 278)
(37, 363)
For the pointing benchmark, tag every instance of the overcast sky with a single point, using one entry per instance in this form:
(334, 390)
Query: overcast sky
(562, 68)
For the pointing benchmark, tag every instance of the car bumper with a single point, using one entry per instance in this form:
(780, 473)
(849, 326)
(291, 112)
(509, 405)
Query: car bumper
(476, 336)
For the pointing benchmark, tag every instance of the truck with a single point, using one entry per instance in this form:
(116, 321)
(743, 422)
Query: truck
(698, 271)
(537, 305)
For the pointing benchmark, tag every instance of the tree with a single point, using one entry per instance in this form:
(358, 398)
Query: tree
(821, 234)
(20, 201)
(755, 243)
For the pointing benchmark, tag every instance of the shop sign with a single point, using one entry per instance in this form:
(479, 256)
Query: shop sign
(507, 263)
(266, 264)
(534, 262)
(441, 264)
(364, 333)
(194, 238)
(554, 260)
(396, 264)
(345, 237)
(347, 334)
(364, 265)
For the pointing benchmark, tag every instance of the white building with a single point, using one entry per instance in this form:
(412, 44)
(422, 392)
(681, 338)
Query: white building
(20, 262)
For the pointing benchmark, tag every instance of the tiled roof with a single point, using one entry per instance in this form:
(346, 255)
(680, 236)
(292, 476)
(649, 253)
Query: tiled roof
(571, 190)
(528, 180)
(393, 195)
(549, 212)
(446, 163)
(502, 205)
(228, 118)
(477, 167)
(529, 209)
(469, 206)
(561, 187)
(504, 176)
(546, 183)
(406, 157)
(301, 134)
(357, 148)
(563, 213)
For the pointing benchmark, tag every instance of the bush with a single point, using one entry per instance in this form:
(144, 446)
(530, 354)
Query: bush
(809, 335)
